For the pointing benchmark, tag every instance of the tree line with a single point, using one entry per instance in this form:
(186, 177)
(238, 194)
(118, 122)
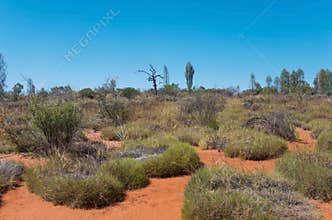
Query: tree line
(294, 82)
(286, 83)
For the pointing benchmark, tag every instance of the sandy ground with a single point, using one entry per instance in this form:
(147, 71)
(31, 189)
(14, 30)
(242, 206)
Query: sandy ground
(26, 159)
(162, 199)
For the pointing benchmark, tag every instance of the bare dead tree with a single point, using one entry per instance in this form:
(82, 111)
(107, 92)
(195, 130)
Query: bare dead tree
(152, 77)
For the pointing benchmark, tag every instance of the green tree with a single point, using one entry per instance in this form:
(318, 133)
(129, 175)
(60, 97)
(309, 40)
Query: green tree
(31, 88)
(166, 75)
(268, 81)
(189, 76)
(3, 74)
(252, 81)
(296, 81)
(276, 83)
(284, 81)
(17, 90)
(323, 82)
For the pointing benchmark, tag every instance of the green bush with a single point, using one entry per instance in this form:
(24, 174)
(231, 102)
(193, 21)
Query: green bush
(310, 171)
(225, 193)
(129, 171)
(179, 159)
(79, 186)
(58, 122)
(115, 109)
(85, 183)
(324, 141)
(250, 144)
(129, 92)
(317, 126)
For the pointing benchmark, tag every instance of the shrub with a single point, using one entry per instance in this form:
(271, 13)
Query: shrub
(87, 93)
(213, 141)
(115, 109)
(179, 159)
(139, 130)
(77, 187)
(200, 108)
(170, 90)
(6, 145)
(152, 142)
(190, 135)
(233, 116)
(225, 193)
(25, 137)
(324, 141)
(310, 171)
(129, 92)
(276, 123)
(128, 171)
(58, 122)
(90, 150)
(10, 174)
(254, 145)
(318, 125)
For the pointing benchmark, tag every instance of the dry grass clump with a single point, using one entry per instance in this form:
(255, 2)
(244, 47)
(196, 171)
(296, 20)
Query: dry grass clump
(200, 108)
(233, 116)
(6, 145)
(317, 126)
(225, 193)
(131, 131)
(311, 172)
(324, 141)
(190, 135)
(250, 144)
(82, 184)
(179, 159)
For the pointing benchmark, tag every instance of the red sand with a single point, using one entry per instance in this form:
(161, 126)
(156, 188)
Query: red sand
(162, 199)
(26, 159)
(95, 136)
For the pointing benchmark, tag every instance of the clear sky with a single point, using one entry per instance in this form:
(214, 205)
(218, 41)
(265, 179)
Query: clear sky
(224, 40)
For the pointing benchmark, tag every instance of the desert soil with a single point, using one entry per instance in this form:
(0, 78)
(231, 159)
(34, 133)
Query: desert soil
(162, 199)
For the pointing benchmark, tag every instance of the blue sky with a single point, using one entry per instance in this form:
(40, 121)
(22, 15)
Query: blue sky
(224, 40)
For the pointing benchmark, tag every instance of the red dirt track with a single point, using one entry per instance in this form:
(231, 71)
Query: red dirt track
(162, 199)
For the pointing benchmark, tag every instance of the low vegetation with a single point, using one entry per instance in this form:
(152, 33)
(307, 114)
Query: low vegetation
(167, 156)
(311, 172)
(225, 193)
(317, 126)
(84, 184)
(177, 160)
(324, 141)
(254, 145)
